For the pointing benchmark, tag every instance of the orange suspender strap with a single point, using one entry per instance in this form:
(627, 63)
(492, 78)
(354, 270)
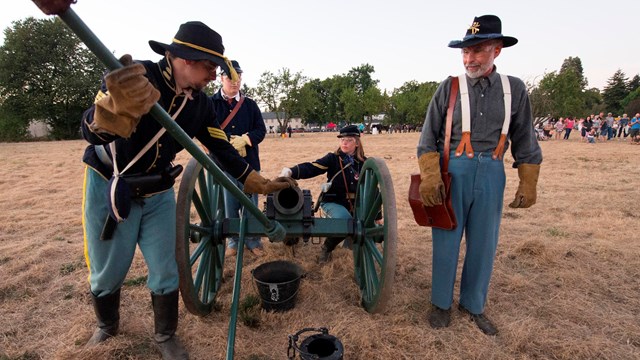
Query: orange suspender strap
(465, 141)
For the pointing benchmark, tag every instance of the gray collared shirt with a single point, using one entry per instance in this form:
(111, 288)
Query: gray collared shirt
(486, 99)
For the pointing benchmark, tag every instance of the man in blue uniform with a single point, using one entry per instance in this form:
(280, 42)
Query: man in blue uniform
(127, 147)
(487, 115)
(343, 170)
(242, 121)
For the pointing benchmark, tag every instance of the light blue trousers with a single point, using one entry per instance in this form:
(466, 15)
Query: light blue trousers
(151, 225)
(477, 191)
(336, 211)
(232, 208)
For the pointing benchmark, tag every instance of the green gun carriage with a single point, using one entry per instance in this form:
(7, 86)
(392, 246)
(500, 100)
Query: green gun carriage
(203, 226)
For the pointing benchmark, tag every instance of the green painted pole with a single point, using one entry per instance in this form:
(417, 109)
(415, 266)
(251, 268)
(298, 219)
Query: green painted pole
(235, 297)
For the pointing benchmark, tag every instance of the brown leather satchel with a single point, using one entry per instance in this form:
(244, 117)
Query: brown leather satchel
(438, 216)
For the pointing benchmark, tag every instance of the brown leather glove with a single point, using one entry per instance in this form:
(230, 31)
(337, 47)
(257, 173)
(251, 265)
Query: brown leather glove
(526, 194)
(130, 95)
(431, 188)
(255, 183)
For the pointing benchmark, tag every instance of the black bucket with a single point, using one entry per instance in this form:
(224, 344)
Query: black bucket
(278, 283)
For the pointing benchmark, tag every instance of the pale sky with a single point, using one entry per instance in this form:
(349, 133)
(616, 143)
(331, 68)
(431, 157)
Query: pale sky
(403, 39)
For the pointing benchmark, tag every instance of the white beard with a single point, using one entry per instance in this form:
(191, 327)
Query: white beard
(481, 71)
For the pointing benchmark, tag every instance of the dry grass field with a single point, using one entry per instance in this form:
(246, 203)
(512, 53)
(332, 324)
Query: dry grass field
(565, 284)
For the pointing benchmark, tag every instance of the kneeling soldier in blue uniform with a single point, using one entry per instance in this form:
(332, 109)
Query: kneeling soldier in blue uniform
(343, 170)
(129, 174)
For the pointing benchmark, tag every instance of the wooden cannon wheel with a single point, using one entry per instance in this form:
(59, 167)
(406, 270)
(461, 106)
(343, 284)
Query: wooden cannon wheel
(374, 245)
(199, 246)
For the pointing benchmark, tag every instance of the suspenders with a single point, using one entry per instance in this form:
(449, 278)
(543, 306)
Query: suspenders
(465, 142)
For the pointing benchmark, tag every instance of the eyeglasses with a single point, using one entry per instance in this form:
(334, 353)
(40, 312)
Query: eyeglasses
(347, 140)
(209, 66)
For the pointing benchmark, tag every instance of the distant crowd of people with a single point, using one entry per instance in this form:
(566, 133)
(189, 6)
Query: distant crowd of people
(593, 128)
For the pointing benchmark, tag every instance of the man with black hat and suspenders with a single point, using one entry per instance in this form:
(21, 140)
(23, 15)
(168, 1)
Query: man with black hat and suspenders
(243, 123)
(490, 111)
(124, 138)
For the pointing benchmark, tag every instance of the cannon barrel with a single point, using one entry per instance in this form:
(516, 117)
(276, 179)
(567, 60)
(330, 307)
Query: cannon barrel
(288, 201)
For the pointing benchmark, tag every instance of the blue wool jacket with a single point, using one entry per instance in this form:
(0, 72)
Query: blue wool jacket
(248, 120)
(343, 188)
(197, 119)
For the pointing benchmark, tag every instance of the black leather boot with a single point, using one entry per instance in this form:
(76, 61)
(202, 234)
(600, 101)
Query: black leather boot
(165, 313)
(482, 322)
(439, 318)
(108, 316)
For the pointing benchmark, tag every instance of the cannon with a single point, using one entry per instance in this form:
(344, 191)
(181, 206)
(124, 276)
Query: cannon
(202, 227)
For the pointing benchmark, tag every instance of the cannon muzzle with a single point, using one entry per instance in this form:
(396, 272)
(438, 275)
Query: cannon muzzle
(288, 201)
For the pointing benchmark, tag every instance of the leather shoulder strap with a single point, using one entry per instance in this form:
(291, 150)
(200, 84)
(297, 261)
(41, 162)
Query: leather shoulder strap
(447, 134)
(232, 114)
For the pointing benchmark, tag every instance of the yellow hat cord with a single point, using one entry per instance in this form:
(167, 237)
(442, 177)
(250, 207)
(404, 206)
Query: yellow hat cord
(234, 76)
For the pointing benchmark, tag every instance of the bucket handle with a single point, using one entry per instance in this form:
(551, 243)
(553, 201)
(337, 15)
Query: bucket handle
(293, 343)
(273, 288)
(281, 301)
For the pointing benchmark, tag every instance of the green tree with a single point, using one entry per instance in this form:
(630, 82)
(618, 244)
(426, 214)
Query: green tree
(320, 101)
(46, 73)
(574, 64)
(559, 94)
(615, 91)
(360, 78)
(311, 98)
(634, 83)
(279, 93)
(359, 107)
(408, 103)
(563, 93)
(334, 107)
(362, 99)
(631, 103)
(593, 103)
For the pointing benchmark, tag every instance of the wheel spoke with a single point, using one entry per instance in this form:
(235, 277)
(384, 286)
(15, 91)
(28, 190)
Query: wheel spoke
(204, 215)
(202, 246)
(375, 231)
(373, 250)
(203, 196)
(201, 230)
(374, 210)
(202, 269)
(206, 288)
(371, 278)
(370, 188)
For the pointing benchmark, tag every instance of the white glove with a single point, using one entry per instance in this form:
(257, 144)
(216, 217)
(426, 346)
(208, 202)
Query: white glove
(240, 143)
(286, 172)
